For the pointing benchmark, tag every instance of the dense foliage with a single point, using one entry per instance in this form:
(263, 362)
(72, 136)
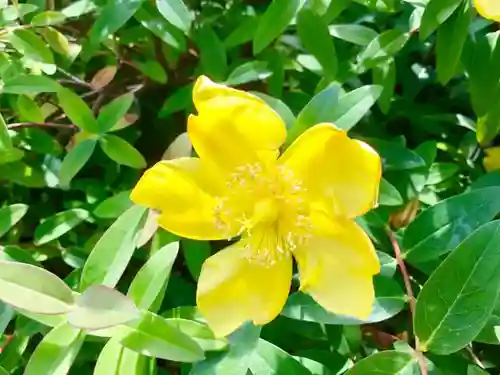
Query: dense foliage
(93, 92)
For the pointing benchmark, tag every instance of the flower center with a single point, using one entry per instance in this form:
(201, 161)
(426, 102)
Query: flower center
(269, 208)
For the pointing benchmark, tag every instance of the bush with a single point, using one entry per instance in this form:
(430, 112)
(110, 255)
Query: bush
(103, 271)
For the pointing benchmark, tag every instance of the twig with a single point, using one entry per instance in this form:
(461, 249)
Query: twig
(75, 79)
(50, 125)
(411, 297)
(474, 357)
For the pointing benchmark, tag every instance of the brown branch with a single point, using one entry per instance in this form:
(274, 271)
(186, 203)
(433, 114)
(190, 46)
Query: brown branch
(49, 125)
(409, 293)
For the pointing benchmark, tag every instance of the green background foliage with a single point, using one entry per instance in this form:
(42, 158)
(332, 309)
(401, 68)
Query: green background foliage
(94, 91)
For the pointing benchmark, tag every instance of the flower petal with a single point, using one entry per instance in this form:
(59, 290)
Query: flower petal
(234, 288)
(489, 9)
(336, 268)
(342, 173)
(230, 120)
(175, 188)
(491, 161)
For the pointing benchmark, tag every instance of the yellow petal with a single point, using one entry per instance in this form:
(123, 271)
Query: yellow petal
(180, 189)
(489, 9)
(491, 161)
(234, 288)
(342, 173)
(232, 120)
(336, 268)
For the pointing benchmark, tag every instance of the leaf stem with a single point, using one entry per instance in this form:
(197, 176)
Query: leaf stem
(52, 125)
(409, 291)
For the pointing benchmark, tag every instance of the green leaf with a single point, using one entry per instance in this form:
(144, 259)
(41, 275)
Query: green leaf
(459, 297)
(273, 22)
(113, 16)
(179, 100)
(389, 195)
(356, 34)
(49, 17)
(176, 12)
(382, 48)
(121, 151)
(236, 361)
(318, 110)
(154, 70)
(150, 18)
(113, 251)
(77, 110)
(488, 125)
(153, 336)
(281, 108)
(57, 41)
(10, 216)
(115, 359)
(114, 206)
(242, 33)
(29, 110)
(5, 141)
(389, 362)
(213, 57)
(486, 180)
(195, 253)
(30, 84)
(248, 72)
(23, 174)
(436, 13)
(33, 47)
(55, 354)
(200, 333)
(269, 359)
(395, 156)
(113, 112)
(55, 226)
(33, 289)
(440, 172)
(440, 228)
(315, 37)
(10, 155)
(451, 37)
(389, 300)
(101, 307)
(153, 276)
(75, 160)
(384, 75)
(78, 8)
(351, 107)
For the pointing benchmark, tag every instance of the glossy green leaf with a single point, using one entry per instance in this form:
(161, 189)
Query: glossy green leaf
(29, 110)
(269, 359)
(435, 14)
(154, 70)
(385, 363)
(29, 84)
(78, 8)
(352, 33)
(195, 253)
(273, 22)
(281, 108)
(77, 110)
(115, 359)
(451, 37)
(49, 17)
(5, 141)
(200, 333)
(34, 289)
(55, 354)
(176, 12)
(248, 72)
(55, 226)
(112, 16)
(242, 33)
(213, 57)
(113, 251)
(488, 125)
(100, 307)
(315, 37)
(459, 297)
(32, 46)
(384, 75)
(112, 112)
(179, 100)
(114, 206)
(75, 160)
(121, 151)
(318, 110)
(395, 156)
(10, 216)
(389, 300)
(440, 228)
(151, 279)
(153, 336)
(382, 48)
(388, 194)
(440, 172)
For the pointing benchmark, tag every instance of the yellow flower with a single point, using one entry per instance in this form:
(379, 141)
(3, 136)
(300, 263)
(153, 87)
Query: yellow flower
(489, 9)
(491, 161)
(300, 204)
